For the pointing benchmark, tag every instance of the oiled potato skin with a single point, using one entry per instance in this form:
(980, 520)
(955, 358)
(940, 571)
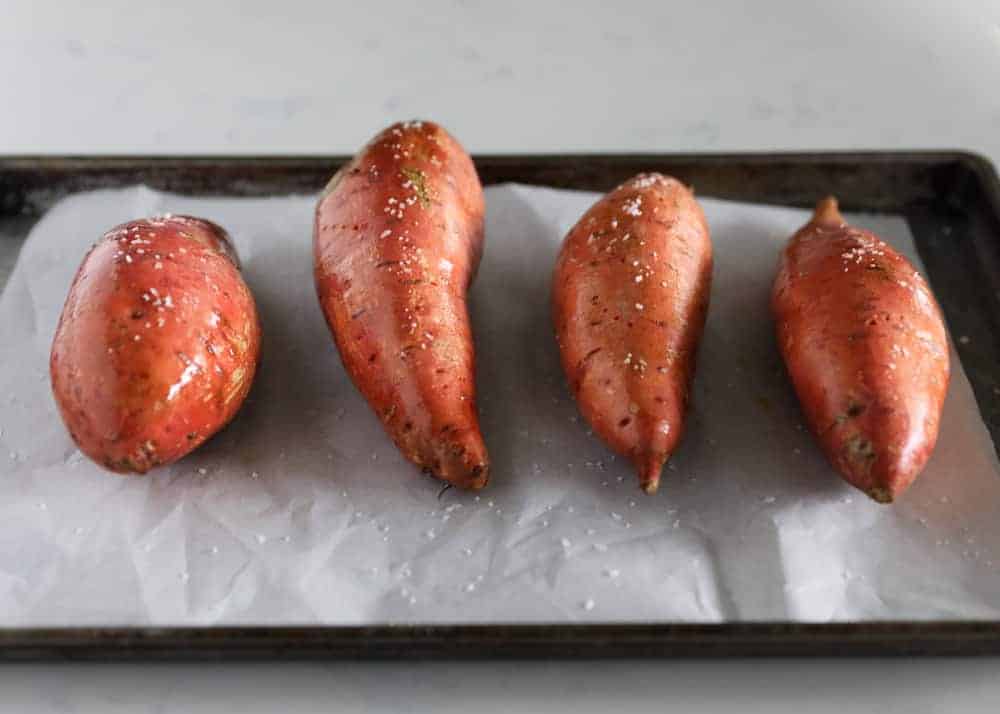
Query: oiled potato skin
(630, 296)
(866, 349)
(157, 344)
(398, 238)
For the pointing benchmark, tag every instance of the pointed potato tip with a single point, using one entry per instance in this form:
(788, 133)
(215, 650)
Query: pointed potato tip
(649, 467)
(480, 477)
(475, 479)
(880, 494)
(827, 211)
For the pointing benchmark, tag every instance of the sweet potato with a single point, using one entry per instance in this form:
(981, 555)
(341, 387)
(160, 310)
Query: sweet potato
(865, 346)
(630, 297)
(398, 238)
(157, 344)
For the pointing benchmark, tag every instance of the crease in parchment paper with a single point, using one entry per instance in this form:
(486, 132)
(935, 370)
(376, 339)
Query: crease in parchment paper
(301, 511)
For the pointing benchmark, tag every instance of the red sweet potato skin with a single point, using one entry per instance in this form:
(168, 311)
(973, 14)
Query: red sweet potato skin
(630, 296)
(865, 345)
(157, 344)
(397, 240)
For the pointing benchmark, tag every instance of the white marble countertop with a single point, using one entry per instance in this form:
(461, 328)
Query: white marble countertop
(320, 77)
(259, 77)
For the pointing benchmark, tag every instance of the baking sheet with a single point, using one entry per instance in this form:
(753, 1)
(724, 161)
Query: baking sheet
(302, 512)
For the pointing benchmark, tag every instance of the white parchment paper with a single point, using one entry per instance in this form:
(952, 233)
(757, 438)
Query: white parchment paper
(302, 511)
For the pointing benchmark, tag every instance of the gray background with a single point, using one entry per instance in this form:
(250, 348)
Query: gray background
(266, 77)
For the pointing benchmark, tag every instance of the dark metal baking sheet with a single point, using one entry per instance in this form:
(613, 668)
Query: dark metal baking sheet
(950, 199)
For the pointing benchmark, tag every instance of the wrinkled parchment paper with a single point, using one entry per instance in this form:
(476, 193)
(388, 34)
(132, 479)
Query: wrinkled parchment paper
(302, 511)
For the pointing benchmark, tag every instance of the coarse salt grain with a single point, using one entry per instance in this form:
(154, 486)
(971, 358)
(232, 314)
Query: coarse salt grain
(631, 207)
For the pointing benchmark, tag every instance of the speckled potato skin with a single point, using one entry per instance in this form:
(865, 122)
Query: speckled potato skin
(397, 240)
(866, 349)
(157, 344)
(630, 297)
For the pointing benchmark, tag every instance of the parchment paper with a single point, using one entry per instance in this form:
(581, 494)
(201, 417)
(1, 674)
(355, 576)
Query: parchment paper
(302, 511)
